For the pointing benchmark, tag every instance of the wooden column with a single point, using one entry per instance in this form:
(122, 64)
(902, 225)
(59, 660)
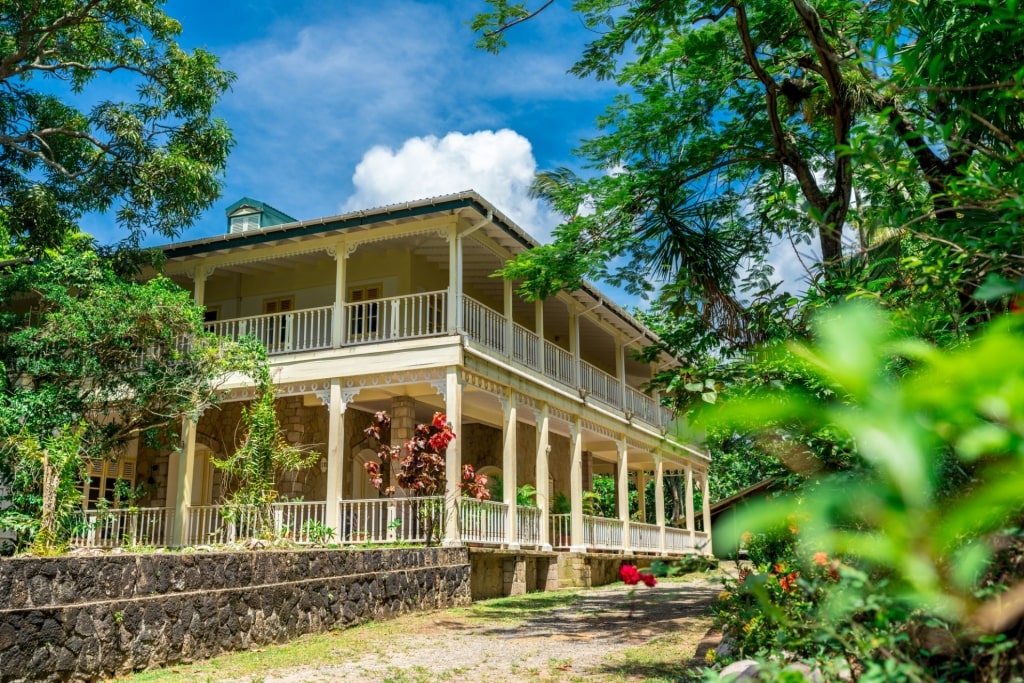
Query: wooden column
(454, 321)
(335, 457)
(623, 491)
(453, 458)
(576, 487)
(641, 495)
(338, 323)
(543, 490)
(689, 506)
(509, 465)
(706, 500)
(659, 500)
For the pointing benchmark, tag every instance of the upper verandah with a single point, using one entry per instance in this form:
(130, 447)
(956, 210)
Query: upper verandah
(355, 226)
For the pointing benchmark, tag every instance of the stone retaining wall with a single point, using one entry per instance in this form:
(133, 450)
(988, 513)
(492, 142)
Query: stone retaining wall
(88, 618)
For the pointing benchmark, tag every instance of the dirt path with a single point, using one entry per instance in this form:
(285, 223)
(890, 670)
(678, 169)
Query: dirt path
(603, 634)
(607, 635)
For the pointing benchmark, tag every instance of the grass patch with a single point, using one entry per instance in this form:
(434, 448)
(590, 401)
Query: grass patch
(523, 606)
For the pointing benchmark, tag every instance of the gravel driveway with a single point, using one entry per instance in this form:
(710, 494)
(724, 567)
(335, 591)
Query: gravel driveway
(605, 634)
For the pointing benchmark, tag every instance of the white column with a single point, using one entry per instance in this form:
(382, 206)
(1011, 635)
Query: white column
(620, 371)
(576, 488)
(543, 492)
(623, 486)
(509, 465)
(706, 491)
(689, 506)
(335, 457)
(181, 464)
(338, 324)
(538, 314)
(507, 306)
(641, 495)
(453, 459)
(454, 279)
(574, 342)
(181, 471)
(659, 500)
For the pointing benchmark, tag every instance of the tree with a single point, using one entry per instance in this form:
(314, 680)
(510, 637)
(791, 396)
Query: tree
(92, 360)
(744, 121)
(155, 161)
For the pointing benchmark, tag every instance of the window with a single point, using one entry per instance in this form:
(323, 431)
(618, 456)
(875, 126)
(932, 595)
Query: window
(243, 222)
(211, 314)
(275, 334)
(364, 317)
(103, 478)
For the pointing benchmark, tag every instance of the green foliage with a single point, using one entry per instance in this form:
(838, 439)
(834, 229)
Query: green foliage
(320, 534)
(912, 551)
(155, 160)
(93, 359)
(264, 451)
(758, 122)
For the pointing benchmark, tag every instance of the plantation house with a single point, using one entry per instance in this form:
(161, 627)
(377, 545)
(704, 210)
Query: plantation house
(397, 309)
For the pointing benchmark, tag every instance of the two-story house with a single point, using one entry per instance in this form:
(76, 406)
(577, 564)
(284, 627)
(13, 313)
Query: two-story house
(397, 309)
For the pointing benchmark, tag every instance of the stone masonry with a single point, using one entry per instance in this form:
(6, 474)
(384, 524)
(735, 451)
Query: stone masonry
(90, 618)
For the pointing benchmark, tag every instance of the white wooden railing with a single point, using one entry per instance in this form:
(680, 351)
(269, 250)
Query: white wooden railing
(677, 540)
(528, 525)
(558, 363)
(410, 316)
(644, 537)
(600, 385)
(482, 521)
(390, 520)
(641, 406)
(525, 346)
(484, 324)
(298, 521)
(561, 531)
(602, 533)
(305, 330)
(115, 528)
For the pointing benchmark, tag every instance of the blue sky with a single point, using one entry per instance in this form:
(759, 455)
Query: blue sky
(350, 105)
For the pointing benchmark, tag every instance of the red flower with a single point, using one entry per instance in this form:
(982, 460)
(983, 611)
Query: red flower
(629, 574)
(649, 580)
(440, 420)
(788, 581)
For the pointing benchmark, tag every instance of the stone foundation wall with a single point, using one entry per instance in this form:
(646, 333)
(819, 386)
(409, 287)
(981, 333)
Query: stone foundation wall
(87, 618)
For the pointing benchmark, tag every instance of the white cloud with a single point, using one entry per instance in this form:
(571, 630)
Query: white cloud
(499, 165)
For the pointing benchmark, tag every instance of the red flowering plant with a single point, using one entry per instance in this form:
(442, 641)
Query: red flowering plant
(632, 576)
(421, 467)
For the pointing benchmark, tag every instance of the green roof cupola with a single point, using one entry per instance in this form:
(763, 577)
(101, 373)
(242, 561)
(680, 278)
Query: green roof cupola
(250, 214)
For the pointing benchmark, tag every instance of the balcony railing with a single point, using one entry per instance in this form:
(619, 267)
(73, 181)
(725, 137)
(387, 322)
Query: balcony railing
(305, 330)
(483, 521)
(600, 385)
(414, 316)
(385, 520)
(115, 528)
(484, 325)
(558, 363)
(602, 533)
(641, 406)
(301, 522)
(411, 316)
(390, 520)
(644, 537)
(525, 347)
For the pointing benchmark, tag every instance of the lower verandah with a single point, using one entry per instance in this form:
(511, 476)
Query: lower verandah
(363, 517)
